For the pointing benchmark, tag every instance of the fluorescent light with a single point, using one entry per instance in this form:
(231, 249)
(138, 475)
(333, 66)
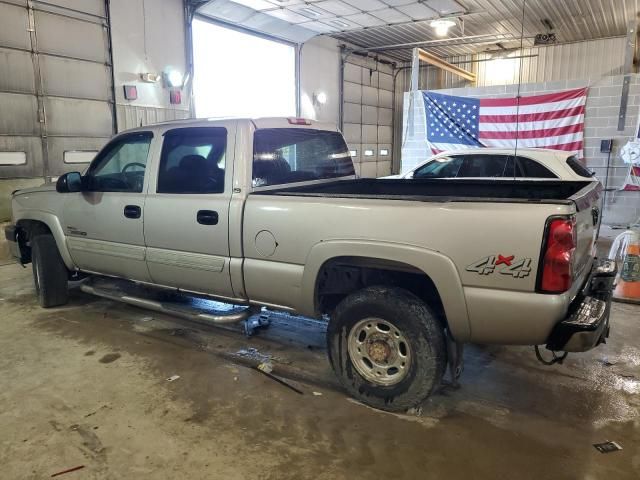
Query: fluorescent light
(442, 26)
(340, 23)
(310, 11)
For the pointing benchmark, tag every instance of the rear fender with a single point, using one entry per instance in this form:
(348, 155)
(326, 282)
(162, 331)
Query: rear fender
(438, 267)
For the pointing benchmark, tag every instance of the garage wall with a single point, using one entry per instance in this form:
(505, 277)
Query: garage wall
(601, 122)
(368, 114)
(148, 37)
(55, 90)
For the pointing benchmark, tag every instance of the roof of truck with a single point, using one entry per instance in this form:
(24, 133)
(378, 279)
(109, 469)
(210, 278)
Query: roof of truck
(263, 122)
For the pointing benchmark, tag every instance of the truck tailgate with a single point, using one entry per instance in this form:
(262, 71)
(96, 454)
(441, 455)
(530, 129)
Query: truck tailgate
(587, 202)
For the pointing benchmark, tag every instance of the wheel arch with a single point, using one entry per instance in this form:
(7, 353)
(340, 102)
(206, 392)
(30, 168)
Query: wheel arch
(37, 222)
(431, 275)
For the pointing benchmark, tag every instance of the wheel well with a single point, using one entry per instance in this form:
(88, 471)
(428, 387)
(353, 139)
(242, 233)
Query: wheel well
(27, 230)
(342, 276)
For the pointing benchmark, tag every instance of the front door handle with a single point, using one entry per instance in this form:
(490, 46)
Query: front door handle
(132, 211)
(207, 217)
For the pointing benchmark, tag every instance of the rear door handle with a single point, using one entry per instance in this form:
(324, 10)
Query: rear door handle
(132, 211)
(207, 217)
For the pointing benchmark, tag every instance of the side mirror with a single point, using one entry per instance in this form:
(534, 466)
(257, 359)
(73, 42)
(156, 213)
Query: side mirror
(69, 182)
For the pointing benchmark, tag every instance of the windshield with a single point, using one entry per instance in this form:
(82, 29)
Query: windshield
(286, 155)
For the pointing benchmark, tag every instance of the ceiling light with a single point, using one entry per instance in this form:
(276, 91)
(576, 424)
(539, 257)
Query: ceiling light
(340, 23)
(310, 11)
(442, 26)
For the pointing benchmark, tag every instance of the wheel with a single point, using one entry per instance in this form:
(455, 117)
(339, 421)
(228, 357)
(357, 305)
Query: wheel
(50, 274)
(386, 347)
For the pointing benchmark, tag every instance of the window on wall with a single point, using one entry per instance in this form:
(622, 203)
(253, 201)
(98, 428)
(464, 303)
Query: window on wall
(237, 74)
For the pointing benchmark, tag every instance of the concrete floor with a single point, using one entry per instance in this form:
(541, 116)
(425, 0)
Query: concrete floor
(86, 385)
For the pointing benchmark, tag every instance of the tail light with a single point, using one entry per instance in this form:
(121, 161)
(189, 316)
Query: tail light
(557, 256)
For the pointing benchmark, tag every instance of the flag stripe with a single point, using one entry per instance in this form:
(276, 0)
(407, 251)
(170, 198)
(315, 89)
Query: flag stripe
(534, 99)
(529, 109)
(524, 126)
(533, 117)
(549, 142)
(542, 133)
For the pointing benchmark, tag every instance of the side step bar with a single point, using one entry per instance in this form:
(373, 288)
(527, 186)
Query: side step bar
(170, 309)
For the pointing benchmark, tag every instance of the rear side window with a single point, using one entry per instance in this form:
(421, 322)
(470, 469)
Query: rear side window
(578, 168)
(527, 168)
(483, 166)
(287, 155)
(193, 160)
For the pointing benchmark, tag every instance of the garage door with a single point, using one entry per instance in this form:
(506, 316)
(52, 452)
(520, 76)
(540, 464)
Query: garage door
(368, 115)
(55, 86)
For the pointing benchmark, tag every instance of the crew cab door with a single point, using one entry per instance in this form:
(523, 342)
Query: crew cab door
(103, 223)
(186, 225)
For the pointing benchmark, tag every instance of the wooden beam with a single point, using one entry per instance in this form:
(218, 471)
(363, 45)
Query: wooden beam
(444, 65)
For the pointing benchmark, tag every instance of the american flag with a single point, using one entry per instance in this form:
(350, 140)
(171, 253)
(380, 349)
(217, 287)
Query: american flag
(553, 120)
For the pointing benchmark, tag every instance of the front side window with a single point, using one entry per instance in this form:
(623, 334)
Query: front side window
(193, 160)
(287, 155)
(443, 167)
(120, 166)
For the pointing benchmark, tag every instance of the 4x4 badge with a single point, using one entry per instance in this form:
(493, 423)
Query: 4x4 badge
(516, 268)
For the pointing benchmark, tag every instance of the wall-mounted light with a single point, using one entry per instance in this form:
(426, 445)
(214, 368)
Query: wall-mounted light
(442, 26)
(150, 77)
(319, 98)
(173, 78)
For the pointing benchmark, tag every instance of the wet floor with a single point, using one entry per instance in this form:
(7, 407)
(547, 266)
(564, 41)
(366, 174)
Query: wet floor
(87, 386)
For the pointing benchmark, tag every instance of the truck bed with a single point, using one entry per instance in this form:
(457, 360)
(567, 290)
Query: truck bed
(441, 190)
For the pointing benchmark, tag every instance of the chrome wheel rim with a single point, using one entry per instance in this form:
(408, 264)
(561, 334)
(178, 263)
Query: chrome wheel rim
(379, 351)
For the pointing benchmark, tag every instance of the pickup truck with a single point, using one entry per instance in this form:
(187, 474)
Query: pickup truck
(268, 212)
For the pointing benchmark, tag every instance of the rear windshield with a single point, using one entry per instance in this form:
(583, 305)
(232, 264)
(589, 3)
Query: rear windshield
(578, 168)
(287, 155)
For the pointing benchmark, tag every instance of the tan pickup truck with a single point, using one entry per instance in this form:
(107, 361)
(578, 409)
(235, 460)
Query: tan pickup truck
(268, 212)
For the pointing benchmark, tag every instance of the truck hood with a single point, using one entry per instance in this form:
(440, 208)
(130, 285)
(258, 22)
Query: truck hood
(47, 187)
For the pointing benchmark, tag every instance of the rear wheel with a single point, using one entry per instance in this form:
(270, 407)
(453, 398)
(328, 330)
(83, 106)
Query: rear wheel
(387, 348)
(50, 274)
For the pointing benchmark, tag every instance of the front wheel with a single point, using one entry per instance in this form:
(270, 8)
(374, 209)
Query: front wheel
(50, 274)
(387, 348)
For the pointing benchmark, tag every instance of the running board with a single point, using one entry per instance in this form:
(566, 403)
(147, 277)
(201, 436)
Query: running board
(171, 309)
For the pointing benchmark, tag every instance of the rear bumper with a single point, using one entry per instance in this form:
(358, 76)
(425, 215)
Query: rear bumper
(587, 323)
(11, 235)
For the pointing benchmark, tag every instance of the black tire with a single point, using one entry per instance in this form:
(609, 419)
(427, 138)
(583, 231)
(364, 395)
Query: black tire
(418, 325)
(50, 274)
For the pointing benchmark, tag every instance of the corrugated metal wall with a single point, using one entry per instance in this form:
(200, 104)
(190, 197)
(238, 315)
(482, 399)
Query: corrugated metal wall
(55, 84)
(589, 61)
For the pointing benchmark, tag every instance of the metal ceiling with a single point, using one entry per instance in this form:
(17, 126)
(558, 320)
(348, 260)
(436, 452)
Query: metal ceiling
(379, 23)
(573, 20)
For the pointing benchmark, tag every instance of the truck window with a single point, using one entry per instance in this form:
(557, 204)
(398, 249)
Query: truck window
(287, 155)
(443, 167)
(193, 160)
(120, 166)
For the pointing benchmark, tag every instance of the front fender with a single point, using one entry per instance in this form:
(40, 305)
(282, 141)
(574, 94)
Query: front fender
(437, 266)
(51, 221)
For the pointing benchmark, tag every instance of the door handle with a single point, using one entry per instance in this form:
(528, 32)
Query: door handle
(132, 211)
(595, 214)
(207, 217)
